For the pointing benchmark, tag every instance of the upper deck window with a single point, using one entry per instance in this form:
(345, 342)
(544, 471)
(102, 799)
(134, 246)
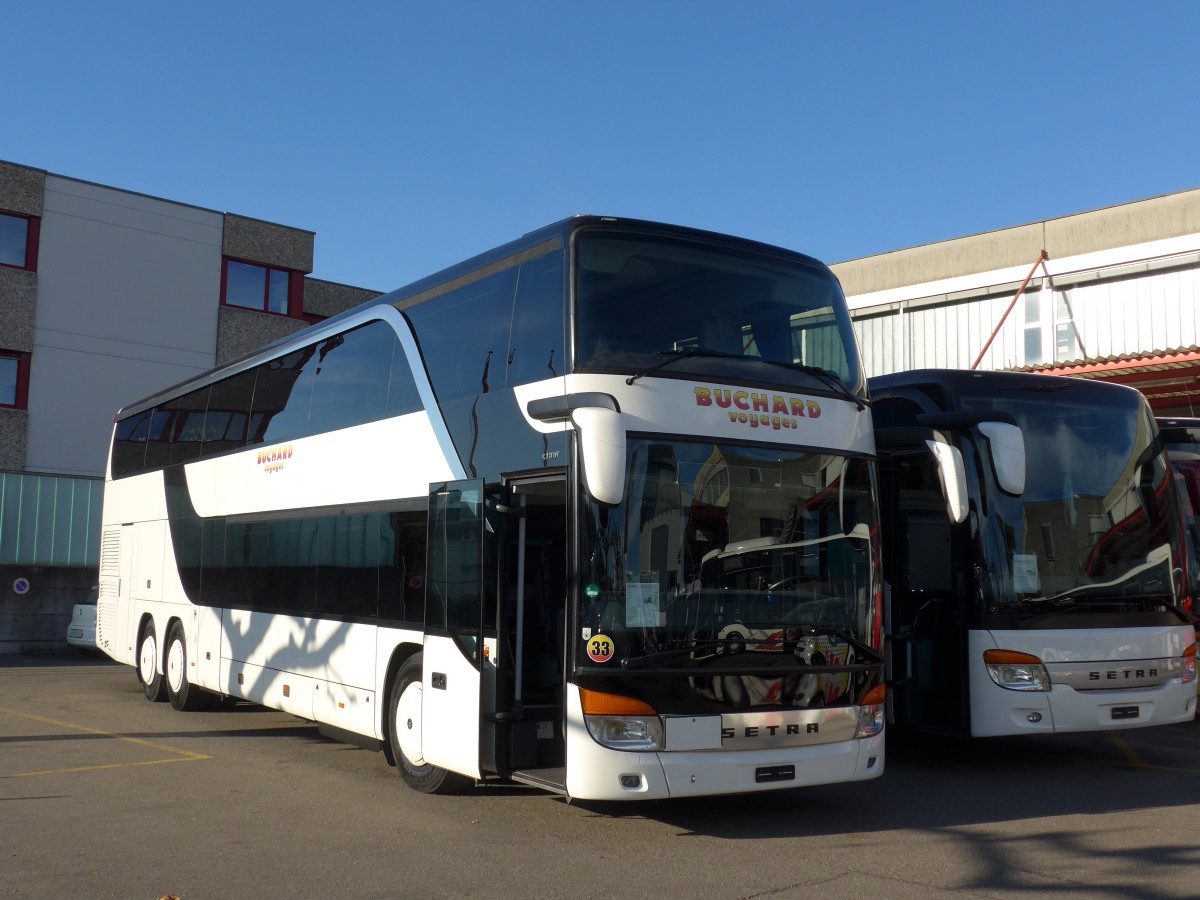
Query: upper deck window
(641, 297)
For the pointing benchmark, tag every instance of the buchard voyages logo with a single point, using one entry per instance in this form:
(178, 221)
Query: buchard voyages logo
(759, 410)
(272, 460)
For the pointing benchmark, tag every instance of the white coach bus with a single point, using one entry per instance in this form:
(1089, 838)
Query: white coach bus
(1034, 555)
(593, 511)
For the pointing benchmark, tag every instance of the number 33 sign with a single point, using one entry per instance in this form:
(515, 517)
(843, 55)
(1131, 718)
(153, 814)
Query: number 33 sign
(600, 648)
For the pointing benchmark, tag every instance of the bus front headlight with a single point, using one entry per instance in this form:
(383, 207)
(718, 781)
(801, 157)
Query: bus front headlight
(1015, 671)
(619, 722)
(622, 733)
(871, 712)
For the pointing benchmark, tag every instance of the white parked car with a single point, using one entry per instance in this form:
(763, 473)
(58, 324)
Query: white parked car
(81, 632)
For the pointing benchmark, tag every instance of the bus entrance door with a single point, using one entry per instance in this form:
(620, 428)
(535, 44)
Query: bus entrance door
(530, 724)
(453, 647)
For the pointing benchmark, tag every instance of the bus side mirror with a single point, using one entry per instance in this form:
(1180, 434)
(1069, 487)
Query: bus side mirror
(953, 475)
(1006, 446)
(602, 446)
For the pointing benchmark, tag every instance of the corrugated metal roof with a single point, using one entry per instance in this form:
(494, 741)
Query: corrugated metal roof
(1126, 363)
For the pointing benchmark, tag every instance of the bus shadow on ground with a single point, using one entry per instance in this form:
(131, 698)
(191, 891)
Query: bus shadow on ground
(934, 782)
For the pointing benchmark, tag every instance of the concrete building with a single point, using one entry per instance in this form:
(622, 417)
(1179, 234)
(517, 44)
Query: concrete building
(1113, 294)
(105, 296)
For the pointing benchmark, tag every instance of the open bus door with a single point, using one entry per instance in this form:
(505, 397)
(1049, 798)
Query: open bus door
(453, 645)
(925, 608)
(531, 657)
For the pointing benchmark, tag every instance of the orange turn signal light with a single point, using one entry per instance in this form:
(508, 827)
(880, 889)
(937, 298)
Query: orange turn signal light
(598, 703)
(874, 696)
(1010, 657)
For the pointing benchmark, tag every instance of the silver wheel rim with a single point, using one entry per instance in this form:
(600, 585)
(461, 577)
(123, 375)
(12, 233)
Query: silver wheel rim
(407, 726)
(175, 663)
(148, 659)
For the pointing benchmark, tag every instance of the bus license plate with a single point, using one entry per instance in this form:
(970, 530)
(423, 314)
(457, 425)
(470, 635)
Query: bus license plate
(764, 774)
(1124, 712)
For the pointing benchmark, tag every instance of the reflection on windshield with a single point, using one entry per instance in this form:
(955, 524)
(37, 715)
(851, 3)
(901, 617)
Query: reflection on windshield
(639, 297)
(732, 557)
(1099, 514)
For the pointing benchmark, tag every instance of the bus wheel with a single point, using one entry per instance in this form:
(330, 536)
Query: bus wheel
(184, 695)
(153, 684)
(404, 735)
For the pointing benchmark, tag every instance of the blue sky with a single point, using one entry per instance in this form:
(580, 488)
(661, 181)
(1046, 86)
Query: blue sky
(410, 135)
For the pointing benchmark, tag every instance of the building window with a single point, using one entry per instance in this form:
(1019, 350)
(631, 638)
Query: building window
(14, 379)
(19, 240)
(1033, 326)
(1066, 337)
(1043, 332)
(265, 288)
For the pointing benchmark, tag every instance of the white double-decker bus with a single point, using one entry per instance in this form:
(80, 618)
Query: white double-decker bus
(1034, 555)
(593, 511)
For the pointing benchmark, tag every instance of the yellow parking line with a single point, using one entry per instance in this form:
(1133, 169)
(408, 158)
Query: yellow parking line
(1131, 756)
(181, 755)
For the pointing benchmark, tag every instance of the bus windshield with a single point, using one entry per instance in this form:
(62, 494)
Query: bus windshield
(728, 553)
(1099, 515)
(643, 298)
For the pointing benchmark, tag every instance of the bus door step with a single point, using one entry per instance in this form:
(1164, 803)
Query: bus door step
(547, 779)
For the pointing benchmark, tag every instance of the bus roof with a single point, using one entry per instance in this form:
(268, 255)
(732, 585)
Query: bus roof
(528, 246)
(955, 384)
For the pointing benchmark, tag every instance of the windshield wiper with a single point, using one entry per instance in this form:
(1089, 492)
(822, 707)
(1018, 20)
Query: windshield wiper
(830, 379)
(801, 629)
(637, 662)
(674, 356)
(1066, 603)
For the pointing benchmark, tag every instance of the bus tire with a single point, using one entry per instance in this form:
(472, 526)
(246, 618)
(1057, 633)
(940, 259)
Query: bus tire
(184, 695)
(153, 683)
(404, 735)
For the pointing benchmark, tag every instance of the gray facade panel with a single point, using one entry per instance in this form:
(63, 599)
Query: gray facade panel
(1089, 232)
(128, 290)
(240, 331)
(1119, 226)
(325, 298)
(983, 252)
(18, 300)
(21, 189)
(267, 243)
(13, 426)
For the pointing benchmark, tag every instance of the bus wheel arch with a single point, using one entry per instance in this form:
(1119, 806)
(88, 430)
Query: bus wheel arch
(184, 696)
(402, 654)
(404, 733)
(149, 661)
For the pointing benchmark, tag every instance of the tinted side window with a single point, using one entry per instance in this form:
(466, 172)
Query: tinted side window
(158, 441)
(353, 371)
(536, 349)
(464, 336)
(229, 407)
(348, 564)
(402, 567)
(129, 445)
(281, 397)
(189, 426)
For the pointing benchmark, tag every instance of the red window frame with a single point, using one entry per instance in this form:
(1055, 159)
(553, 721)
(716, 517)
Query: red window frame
(32, 236)
(22, 393)
(295, 291)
